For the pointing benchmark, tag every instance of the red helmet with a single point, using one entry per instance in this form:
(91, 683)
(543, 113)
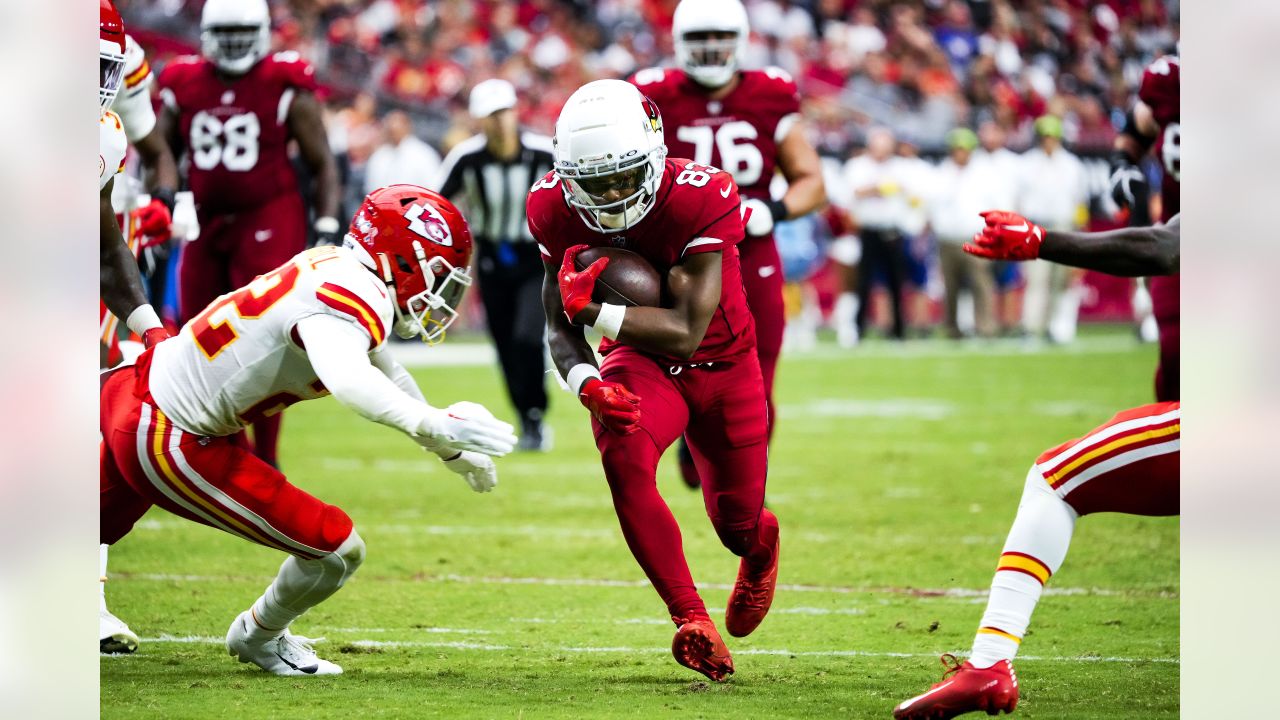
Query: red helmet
(110, 51)
(420, 245)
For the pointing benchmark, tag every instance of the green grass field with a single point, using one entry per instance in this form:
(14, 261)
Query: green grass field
(895, 472)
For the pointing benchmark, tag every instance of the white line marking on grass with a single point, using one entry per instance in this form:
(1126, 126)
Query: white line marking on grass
(433, 630)
(896, 408)
(206, 640)
(603, 582)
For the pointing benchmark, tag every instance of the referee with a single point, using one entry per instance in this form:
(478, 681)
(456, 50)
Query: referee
(492, 171)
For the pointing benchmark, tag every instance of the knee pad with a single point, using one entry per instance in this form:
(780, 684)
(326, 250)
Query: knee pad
(350, 553)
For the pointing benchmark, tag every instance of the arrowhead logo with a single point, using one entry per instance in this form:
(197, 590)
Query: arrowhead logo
(424, 220)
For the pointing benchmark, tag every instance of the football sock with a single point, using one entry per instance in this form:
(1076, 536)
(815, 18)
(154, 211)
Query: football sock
(301, 585)
(651, 530)
(266, 438)
(102, 576)
(845, 317)
(1034, 550)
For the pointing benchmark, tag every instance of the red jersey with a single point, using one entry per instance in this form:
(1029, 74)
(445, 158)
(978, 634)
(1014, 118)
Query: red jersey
(1161, 91)
(696, 210)
(739, 132)
(236, 129)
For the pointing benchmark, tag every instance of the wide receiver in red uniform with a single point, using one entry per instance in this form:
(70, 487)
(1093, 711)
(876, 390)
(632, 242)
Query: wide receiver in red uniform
(687, 369)
(314, 326)
(234, 112)
(1154, 120)
(1127, 465)
(746, 122)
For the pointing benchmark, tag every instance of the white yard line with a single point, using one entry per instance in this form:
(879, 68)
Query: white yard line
(461, 645)
(604, 582)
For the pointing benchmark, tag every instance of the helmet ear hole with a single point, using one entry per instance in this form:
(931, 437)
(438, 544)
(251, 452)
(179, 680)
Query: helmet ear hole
(403, 264)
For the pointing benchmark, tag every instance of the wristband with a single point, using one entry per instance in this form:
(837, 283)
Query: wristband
(579, 375)
(609, 321)
(777, 210)
(142, 319)
(326, 225)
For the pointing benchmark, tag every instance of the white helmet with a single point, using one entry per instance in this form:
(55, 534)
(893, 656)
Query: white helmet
(609, 138)
(235, 34)
(710, 62)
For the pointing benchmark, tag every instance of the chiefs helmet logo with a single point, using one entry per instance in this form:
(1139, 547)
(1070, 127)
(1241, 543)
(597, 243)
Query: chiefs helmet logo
(424, 220)
(655, 117)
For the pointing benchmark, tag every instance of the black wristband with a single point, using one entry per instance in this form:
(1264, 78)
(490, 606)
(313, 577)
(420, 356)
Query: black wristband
(165, 196)
(777, 210)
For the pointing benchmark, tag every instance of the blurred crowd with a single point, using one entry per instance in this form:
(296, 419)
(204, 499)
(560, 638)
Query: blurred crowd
(397, 73)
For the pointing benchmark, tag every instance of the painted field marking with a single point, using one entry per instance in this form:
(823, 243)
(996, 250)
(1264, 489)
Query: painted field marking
(208, 640)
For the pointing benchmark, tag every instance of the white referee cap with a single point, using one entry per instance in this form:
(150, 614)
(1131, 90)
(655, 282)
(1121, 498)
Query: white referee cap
(491, 96)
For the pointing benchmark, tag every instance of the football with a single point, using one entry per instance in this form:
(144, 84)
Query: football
(628, 279)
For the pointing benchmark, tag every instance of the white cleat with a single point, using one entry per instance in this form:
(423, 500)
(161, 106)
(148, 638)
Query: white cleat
(284, 654)
(114, 637)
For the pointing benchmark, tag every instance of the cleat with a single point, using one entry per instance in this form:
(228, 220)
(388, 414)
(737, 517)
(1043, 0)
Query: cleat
(698, 646)
(284, 654)
(964, 689)
(688, 471)
(535, 436)
(752, 594)
(114, 637)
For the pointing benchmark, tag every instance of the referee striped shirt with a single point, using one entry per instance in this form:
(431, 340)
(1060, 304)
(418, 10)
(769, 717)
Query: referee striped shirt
(495, 190)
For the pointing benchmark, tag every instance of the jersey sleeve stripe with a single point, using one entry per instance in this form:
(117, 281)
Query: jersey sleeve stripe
(697, 242)
(345, 301)
(138, 75)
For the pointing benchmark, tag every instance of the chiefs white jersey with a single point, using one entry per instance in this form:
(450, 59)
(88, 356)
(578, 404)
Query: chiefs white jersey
(241, 359)
(111, 147)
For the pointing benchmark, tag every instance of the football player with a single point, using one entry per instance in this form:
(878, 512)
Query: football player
(746, 122)
(1128, 465)
(1154, 121)
(233, 112)
(686, 369)
(148, 225)
(121, 288)
(314, 326)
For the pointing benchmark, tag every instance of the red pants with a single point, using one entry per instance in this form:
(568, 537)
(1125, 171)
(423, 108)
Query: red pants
(147, 460)
(1128, 465)
(234, 249)
(720, 409)
(762, 279)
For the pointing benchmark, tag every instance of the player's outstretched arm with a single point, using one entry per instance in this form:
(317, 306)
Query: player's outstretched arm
(677, 331)
(119, 280)
(1128, 252)
(338, 352)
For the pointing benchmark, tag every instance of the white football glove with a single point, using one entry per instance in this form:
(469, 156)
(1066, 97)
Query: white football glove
(465, 426)
(185, 224)
(478, 470)
(761, 220)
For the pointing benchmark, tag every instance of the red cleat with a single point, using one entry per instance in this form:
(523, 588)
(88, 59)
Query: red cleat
(698, 646)
(752, 594)
(964, 689)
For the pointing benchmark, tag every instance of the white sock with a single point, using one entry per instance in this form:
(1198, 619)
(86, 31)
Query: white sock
(845, 317)
(1036, 546)
(102, 577)
(301, 585)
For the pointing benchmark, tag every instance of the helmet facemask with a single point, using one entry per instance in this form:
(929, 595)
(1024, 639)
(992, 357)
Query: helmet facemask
(235, 48)
(710, 57)
(110, 71)
(429, 313)
(586, 189)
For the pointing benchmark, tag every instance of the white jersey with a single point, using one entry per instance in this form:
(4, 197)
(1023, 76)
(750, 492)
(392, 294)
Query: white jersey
(242, 359)
(111, 147)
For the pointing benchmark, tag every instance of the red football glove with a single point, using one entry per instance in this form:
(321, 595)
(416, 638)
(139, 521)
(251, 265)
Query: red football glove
(1007, 236)
(153, 336)
(576, 285)
(152, 223)
(613, 405)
